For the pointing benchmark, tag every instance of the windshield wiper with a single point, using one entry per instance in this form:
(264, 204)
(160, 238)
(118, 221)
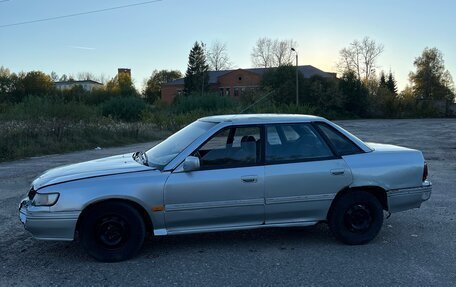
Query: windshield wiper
(145, 159)
(141, 157)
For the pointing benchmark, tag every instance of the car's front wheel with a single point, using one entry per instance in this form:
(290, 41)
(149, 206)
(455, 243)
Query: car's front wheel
(356, 217)
(112, 231)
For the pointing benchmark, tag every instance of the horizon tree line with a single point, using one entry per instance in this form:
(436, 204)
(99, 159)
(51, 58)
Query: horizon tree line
(430, 80)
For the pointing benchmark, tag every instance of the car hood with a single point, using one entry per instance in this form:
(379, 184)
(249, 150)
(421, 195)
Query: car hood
(100, 167)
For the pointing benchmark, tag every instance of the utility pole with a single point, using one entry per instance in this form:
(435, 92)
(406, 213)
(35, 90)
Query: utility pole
(297, 78)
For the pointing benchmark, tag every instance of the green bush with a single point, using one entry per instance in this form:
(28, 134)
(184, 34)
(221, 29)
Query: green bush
(24, 138)
(32, 108)
(124, 108)
(282, 109)
(209, 102)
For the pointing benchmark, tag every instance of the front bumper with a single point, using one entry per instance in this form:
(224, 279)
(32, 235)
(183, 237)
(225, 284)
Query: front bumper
(408, 198)
(44, 224)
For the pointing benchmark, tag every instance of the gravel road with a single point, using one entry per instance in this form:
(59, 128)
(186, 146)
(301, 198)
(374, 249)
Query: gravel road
(415, 247)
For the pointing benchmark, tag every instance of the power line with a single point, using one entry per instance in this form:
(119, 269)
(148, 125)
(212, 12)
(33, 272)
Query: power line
(257, 101)
(77, 14)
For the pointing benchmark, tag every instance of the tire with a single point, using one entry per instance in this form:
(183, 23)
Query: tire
(356, 218)
(112, 231)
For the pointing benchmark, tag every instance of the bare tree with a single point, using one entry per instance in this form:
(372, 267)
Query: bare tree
(63, 78)
(281, 51)
(272, 53)
(361, 58)
(102, 78)
(262, 53)
(86, 76)
(54, 76)
(217, 57)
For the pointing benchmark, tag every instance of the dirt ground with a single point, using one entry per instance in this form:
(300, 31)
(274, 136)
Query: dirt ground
(415, 247)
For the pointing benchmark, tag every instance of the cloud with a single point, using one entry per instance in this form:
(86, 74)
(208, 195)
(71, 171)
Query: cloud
(81, 48)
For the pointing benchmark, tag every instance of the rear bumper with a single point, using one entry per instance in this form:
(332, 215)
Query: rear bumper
(44, 224)
(408, 198)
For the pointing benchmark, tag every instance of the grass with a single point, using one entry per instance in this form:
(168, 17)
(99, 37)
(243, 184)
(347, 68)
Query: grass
(19, 139)
(52, 124)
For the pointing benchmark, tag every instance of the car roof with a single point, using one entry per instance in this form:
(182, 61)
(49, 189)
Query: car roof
(262, 118)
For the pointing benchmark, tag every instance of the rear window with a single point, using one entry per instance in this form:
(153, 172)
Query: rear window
(341, 143)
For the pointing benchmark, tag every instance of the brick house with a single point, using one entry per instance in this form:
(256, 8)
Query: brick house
(233, 82)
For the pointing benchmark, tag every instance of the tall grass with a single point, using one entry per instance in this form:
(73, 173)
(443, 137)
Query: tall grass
(20, 139)
(39, 126)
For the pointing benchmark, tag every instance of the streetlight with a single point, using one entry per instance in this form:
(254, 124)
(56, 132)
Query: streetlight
(297, 80)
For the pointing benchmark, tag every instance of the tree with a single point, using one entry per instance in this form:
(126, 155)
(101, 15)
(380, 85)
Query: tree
(82, 76)
(152, 89)
(6, 83)
(382, 82)
(122, 85)
(5, 80)
(272, 53)
(391, 84)
(63, 78)
(323, 93)
(282, 82)
(282, 53)
(54, 76)
(431, 80)
(37, 83)
(355, 94)
(262, 53)
(217, 57)
(361, 58)
(196, 76)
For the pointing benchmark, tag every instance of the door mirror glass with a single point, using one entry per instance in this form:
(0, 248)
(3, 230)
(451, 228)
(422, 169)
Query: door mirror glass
(191, 163)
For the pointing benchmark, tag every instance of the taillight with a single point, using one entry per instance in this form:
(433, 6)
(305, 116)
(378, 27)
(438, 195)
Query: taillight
(425, 171)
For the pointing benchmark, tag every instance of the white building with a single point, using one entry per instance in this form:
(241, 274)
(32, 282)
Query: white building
(87, 85)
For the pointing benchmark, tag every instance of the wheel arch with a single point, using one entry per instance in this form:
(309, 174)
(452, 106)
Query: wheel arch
(142, 211)
(377, 191)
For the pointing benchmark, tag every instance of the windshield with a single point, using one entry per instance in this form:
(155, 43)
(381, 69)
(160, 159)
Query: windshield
(163, 153)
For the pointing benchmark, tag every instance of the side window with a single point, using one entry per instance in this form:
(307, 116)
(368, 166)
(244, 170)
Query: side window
(301, 142)
(231, 147)
(343, 145)
(289, 133)
(272, 136)
(240, 133)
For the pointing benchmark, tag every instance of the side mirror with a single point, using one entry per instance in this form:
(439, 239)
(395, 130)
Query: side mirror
(191, 163)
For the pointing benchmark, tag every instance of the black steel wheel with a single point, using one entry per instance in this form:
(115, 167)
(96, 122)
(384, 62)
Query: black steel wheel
(112, 231)
(356, 217)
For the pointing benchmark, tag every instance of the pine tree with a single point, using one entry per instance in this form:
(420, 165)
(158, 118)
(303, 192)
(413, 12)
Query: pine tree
(391, 84)
(382, 80)
(196, 76)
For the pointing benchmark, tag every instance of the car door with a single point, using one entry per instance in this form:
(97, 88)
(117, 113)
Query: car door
(302, 174)
(227, 191)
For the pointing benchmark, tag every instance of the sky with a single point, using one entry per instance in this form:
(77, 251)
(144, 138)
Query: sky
(160, 35)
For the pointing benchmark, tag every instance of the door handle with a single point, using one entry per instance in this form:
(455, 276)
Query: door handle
(249, 178)
(339, 171)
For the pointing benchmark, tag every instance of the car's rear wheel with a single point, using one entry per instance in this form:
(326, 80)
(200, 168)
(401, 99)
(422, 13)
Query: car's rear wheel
(112, 231)
(356, 217)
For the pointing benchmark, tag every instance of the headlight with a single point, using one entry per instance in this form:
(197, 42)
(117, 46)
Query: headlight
(45, 199)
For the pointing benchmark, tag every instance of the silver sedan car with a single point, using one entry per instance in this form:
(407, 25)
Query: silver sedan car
(228, 173)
